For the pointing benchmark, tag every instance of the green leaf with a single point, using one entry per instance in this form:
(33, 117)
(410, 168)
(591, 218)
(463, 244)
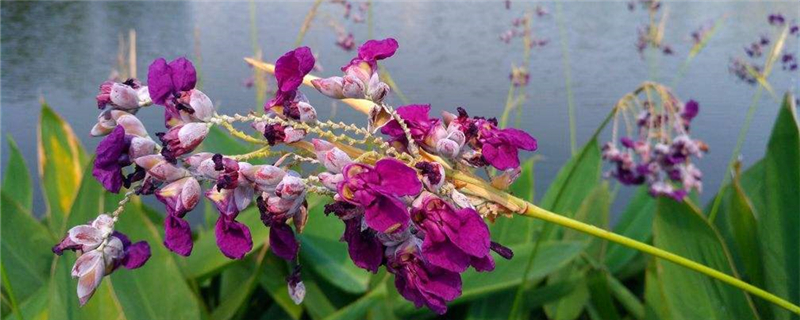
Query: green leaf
(321, 248)
(636, 222)
(35, 307)
(656, 306)
(17, 182)
(600, 291)
(316, 302)
(571, 305)
(594, 211)
(26, 244)
(139, 291)
(236, 298)
(680, 229)
(359, 308)
(779, 217)
(61, 163)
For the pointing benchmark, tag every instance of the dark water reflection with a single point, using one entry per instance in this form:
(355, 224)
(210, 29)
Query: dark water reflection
(450, 56)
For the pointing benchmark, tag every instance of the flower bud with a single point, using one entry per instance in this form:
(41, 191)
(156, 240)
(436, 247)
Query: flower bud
(447, 148)
(436, 134)
(202, 105)
(307, 112)
(196, 159)
(353, 87)
(160, 169)
(333, 158)
(330, 180)
(331, 87)
(124, 97)
(265, 177)
(183, 139)
(143, 95)
(291, 187)
(130, 122)
(361, 72)
(180, 196)
(293, 135)
(141, 147)
(105, 124)
(90, 268)
(378, 92)
(456, 135)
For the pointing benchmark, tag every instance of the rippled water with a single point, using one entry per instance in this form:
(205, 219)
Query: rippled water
(449, 56)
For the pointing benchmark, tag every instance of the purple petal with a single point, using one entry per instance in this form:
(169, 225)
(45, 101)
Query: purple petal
(184, 76)
(233, 238)
(386, 214)
(159, 81)
(445, 255)
(442, 283)
(502, 156)
(519, 139)
(690, 110)
(107, 168)
(397, 178)
(282, 241)
(138, 253)
(473, 235)
(373, 50)
(178, 235)
(485, 263)
(365, 250)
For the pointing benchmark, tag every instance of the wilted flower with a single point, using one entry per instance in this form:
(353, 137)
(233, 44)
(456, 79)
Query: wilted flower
(420, 282)
(179, 197)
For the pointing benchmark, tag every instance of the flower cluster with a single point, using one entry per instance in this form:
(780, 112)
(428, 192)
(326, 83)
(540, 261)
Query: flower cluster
(661, 154)
(361, 79)
(521, 28)
(475, 141)
(651, 35)
(399, 209)
(748, 69)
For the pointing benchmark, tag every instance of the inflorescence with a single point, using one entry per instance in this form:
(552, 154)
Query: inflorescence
(399, 207)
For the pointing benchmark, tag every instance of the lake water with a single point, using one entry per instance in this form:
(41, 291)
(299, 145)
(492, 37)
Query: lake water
(450, 56)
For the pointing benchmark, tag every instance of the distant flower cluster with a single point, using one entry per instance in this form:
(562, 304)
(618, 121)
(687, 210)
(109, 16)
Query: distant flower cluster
(521, 27)
(650, 35)
(749, 68)
(345, 39)
(661, 153)
(399, 208)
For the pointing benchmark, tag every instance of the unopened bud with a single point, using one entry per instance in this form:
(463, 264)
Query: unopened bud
(333, 158)
(331, 87)
(307, 112)
(353, 87)
(330, 180)
(141, 147)
(265, 177)
(448, 148)
(180, 196)
(130, 122)
(183, 139)
(124, 97)
(160, 169)
(202, 105)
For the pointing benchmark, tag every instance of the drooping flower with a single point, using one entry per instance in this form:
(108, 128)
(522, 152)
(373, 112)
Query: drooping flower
(453, 239)
(420, 282)
(361, 78)
(233, 237)
(378, 190)
(95, 263)
(424, 130)
(364, 248)
(111, 158)
(287, 201)
(179, 197)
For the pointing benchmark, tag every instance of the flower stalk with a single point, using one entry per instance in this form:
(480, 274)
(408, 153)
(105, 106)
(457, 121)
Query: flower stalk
(480, 188)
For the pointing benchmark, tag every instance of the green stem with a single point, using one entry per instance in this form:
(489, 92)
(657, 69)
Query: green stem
(307, 23)
(735, 155)
(567, 78)
(509, 106)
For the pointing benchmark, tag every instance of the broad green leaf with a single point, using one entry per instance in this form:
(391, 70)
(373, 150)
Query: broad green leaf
(680, 229)
(779, 218)
(234, 300)
(656, 306)
(17, 181)
(574, 181)
(498, 306)
(323, 251)
(636, 222)
(87, 205)
(206, 259)
(316, 302)
(571, 305)
(61, 163)
(26, 244)
(140, 292)
(359, 308)
(35, 307)
(600, 292)
(594, 211)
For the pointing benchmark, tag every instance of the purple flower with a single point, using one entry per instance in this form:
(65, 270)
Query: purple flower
(169, 80)
(286, 202)
(423, 283)
(364, 248)
(453, 239)
(378, 190)
(112, 156)
(233, 237)
(281, 236)
(182, 139)
(371, 52)
(500, 147)
(289, 72)
(424, 130)
(123, 96)
(179, 197)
